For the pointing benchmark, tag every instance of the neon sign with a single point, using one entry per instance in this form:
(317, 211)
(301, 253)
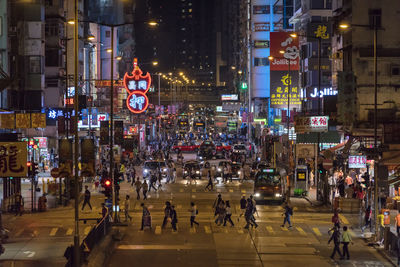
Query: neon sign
(314, 94)
(137, 86)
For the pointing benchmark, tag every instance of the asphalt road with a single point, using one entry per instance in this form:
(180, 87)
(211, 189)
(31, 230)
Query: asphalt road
(212, 245)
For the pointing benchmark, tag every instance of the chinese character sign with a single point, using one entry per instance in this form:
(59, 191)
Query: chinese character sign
(280, 83)
(137, 86)
(305, 124)
(282, 41)
(357, 162)
(319, 30)
(13, 157)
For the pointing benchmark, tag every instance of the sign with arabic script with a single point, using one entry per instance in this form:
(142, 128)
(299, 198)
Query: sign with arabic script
(306, 124)
(137, 86)
(13, 156)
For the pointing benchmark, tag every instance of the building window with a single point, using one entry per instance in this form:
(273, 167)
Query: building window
(108, 34)
(261, 26)
(395, 70)
(321, 4)
(375, 17)
(35, 64)
(261, 61)
(261, 10)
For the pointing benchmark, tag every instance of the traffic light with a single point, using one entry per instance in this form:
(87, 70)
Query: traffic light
(29, 165)
(366, 180)
(321, 169)
(107, 187)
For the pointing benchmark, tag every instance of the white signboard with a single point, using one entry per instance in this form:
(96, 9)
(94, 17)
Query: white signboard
(357, 162)
(100, 117)
(306, 124)
(229, 97)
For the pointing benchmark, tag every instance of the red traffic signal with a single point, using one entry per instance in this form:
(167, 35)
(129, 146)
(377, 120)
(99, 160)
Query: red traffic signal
(28, 164)
(107, 183)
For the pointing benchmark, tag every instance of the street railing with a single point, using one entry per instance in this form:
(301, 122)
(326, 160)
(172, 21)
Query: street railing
(100, 230)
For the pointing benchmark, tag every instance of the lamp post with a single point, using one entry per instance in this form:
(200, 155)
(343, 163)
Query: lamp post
(345, 26)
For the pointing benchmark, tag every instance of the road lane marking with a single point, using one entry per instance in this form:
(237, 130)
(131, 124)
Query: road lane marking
(207, 230)
(158, 230)
(53, 231)
(69, 231)
(194, 190)
(284, 228)
(193, 196)
(240, 231)
(179, 207)
(316, 231)
(230, 190)
(243, 191)
(87, 230)
(181, 190)
(295, 208)
(192, 230)
(301, 231)
(270, 230)
(19, 233)
(344, 219)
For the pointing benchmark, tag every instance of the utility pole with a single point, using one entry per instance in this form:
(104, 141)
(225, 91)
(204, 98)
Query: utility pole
(76, 257)
(317, 176)
(112, 127)
(376, 191)
(159, 107)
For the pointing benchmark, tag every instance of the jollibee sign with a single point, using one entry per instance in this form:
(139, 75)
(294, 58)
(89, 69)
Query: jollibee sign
(137, 86)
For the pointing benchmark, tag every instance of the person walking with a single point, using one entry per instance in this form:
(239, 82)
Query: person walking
(336, 241)
(167, 213)
(133, 175)
(138, 186)
(336, 219)
(216, 203)
(145, 188)
(241, 174)
(249, 214)
(174, 218)
(127, 205)
(397, 220)
(221, 213)
(288, 212)
(146, 217)
(243, 204)
(153, 180)
(228, 214)
(367, 218)
(159, 178)
(87, 198)
(19, 204)
(346, 239)
(193, 213)
(210, 182)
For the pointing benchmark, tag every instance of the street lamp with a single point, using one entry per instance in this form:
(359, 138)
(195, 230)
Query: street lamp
(345, 26)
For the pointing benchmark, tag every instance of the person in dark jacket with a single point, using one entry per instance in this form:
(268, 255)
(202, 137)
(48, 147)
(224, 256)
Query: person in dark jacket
(174, 218)
(249, 214)
(336, 241)
(87, 198)
(167, 213)
(287, 214)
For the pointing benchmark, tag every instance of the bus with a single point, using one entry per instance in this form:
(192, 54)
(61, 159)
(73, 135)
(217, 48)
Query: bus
(269, 185)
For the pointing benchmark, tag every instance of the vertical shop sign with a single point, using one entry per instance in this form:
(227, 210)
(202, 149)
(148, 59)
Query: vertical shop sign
(13, 157)
(282, 41)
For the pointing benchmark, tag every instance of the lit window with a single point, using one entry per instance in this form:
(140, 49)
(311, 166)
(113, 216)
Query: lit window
(183, 29)
(190, 10)
(183, 41)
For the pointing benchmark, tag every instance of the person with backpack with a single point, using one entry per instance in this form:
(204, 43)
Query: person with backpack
(287, 214)
(336, 241)
(216, 204)
(193, 213)
(249, 214)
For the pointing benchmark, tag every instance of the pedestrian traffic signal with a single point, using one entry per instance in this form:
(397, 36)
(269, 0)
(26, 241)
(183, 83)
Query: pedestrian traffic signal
(35, 168)
(107, 187)
(321, 169)
(366, 181)
(107, 183)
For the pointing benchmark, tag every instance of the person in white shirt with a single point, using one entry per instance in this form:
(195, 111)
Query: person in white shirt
(193, 213)
(127, 205)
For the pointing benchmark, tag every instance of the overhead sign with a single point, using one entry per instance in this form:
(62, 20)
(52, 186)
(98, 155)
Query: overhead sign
(357, 162)
(137, 86)
(261, 44)
(13, 157)
(219, 108)
(306, 124)
(234, 97)
(282, 41)
(308, 93)
(280, 83)
(95, 120)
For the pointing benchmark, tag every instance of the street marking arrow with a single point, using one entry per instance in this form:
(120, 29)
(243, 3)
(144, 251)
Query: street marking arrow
(30, 253)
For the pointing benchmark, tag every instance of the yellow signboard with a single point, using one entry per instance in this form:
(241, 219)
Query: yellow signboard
(13, 156)
(23, 120)
(38, 120)
(7, 121)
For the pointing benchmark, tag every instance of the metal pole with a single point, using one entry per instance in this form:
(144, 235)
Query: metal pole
(317, 176)
(376, 131)
(66, 97)
(112, 125)
(249, 58)
(288, 115)
(76, 109)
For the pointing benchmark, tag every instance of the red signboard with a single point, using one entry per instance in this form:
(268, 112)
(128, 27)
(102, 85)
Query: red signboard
(282, 41)
(137, 86)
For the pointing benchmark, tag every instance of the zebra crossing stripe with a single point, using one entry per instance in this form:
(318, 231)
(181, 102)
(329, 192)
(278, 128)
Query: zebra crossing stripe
(344, 219)
(181, 190)
(316, 231)
(230, 190)
(207, 229)
(53, 231)
(69, 231)
(301, 231)
(87, 230)
(270, 230)
(284, 228)
(158, 230)
(192, 230)
(243, 191)
(194, 190)
(19, 233)
(179, 207)
(240, 231)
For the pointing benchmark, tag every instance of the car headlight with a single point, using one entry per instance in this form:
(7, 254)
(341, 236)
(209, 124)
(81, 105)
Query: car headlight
(145, 171)
(185, 171)
(238, 172)
(278, 195)
(219, 169)
(197, 172)
(257, 194)
(200, 157)
(165, 169)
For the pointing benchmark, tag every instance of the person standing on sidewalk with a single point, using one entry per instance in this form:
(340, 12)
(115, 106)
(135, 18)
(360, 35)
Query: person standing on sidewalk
(19, 204)
(87, 198)
(397, 220)
(287, 214)
(367, 218)
(145, 187)
(228, 214)
(174, 218)
(138, 185)
(193, 213)
(336, 241)
(127, 205)
(346, 239)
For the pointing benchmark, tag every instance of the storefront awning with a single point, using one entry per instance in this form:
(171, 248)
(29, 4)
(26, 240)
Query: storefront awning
(312, 138)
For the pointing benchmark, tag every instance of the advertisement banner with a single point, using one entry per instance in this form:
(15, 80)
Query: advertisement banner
(319, 30)
(85, 116)
(13, 157)
(65, 157)
(305, 151)
(87, 157)
(8, 121)
(38, 120)
(23, 120)
(307, 124)
(280, 81)
(283, 41)
(104, 132)
(357, 162)
(94, 116)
